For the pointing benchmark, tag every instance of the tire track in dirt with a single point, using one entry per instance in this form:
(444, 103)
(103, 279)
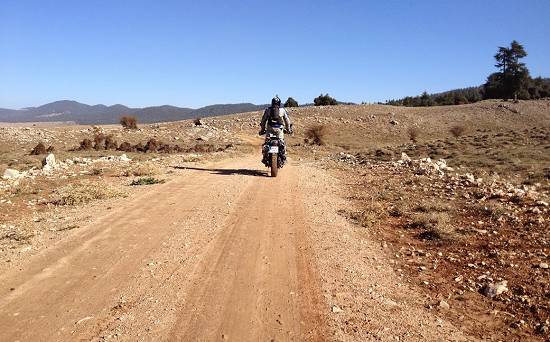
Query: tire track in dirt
(256, 282)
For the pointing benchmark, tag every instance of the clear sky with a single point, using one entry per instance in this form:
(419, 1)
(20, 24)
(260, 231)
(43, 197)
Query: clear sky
(195, 53)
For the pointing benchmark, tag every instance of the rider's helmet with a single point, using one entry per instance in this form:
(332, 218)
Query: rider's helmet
(276, 101)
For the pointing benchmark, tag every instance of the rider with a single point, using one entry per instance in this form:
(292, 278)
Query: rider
(276, 121)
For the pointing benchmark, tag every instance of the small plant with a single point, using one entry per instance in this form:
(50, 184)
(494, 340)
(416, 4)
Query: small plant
(39, 149)
(457, 131)
(128, 122)
(99, 141)
(97, 172)
(110, 143)
(316, 134)
(146, 181)
(86, 144)
(413, 133)
(197, 122)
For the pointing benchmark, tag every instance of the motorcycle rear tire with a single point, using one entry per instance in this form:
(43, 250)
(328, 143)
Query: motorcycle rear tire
(274, 165)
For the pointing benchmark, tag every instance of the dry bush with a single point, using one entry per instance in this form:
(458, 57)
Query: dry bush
(99, 141)
(202, 148)
(86, 144)
(457, 131)
(110, 143)
(435, 225)
(152, 145)
(128, 122)
(50, 149)
(39, 149)
(197, 122)
(127, 147)
(82, 193)
(316, 134)
(413, 133)
(140, 170)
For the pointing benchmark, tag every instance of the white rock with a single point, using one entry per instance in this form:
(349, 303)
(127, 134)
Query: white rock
(405, 157)
(444, 305)
(493, 290)
(124, 158)
(336, 309)
(11, 174)
(49, 162)
(543, 265)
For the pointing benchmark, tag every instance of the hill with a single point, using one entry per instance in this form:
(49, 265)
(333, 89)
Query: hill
(81, 113)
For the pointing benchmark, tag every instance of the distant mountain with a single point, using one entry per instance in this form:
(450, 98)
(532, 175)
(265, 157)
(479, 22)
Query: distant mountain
(100, 114)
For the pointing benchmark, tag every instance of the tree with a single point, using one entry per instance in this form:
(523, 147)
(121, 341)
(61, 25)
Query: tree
(513, 75)
(325, 100)
(290, 102)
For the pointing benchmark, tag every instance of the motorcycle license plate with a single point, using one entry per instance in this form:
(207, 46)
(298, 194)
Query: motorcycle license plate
(274, 149)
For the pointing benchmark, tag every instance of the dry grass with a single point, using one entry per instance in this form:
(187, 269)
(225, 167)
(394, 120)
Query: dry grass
(84, 192)
(457, 131)
(140, 170)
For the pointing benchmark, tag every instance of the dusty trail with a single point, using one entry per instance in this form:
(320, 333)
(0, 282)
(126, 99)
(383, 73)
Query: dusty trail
(244, 276)
(209, 256)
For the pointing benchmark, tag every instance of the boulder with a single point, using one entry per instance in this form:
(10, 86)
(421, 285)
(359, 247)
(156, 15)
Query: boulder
(405, 158)
(49, 162)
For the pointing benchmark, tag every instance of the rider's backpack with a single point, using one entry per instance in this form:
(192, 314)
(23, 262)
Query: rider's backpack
(275, 118)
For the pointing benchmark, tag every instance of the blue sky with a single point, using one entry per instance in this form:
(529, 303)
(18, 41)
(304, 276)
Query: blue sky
(191, 53)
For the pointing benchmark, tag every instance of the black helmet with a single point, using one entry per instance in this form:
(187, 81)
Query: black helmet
(276, 101)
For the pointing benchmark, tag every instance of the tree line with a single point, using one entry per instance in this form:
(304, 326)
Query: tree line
(511, 81)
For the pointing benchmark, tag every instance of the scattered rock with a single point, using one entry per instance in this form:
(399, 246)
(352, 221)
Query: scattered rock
(336, 309)
(543, 265)
(444, 305)
(492, 290)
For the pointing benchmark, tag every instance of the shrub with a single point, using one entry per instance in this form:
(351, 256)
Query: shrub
(86, 144)
(99, 141)
(110, 143)
(40, 148)
(325, 100)
(316, 134)
(147, 181)
(152, 145)
(290, 102)
(457, 131)
(128, 122)
(413, 133)
(127, 147)
(197, 122)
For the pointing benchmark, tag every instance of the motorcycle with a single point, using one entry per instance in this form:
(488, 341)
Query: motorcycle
(274, 153)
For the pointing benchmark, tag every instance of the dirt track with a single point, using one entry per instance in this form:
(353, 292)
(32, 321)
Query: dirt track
(209, 256)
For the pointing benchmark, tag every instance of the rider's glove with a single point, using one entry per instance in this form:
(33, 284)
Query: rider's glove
(262, 132)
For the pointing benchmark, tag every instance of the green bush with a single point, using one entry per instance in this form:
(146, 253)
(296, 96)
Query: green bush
(290, 102)
(325, 100)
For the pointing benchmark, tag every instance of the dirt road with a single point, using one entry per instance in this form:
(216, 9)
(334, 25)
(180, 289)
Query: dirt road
(219, 252)
(213, 244)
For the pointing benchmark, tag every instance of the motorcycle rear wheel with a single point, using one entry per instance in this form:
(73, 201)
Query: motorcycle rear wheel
(274, 165)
